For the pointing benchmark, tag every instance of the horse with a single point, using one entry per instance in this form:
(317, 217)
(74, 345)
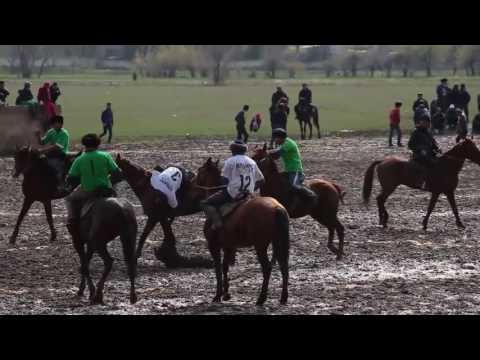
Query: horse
(242, 228)
(394, 171)
(329, 195)
(103, 220)
(156, 208)
(39, 184)
(305, 115)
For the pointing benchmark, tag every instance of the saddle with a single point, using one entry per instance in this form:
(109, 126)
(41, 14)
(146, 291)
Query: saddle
(99, 194)
(229, 208)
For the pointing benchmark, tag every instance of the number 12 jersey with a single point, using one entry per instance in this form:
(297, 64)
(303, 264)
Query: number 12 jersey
(242, 174)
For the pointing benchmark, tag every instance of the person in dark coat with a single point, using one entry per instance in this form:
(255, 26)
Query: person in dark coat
(438, 120)
(279, 120)
(24, 95)
(3, 93)
(241, 121)
(277, 96)
(425, 150)
(464, 100)
(420, 101)
(54, 92)
(452, 117)
(421, 112)
(443, 93)
(454, 97)
(107, 122)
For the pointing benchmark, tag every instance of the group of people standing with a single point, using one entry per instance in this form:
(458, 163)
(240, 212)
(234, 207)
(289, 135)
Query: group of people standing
(279, 111)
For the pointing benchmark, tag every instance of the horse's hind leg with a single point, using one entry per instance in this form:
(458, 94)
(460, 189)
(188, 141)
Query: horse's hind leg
(79, 247)
(266, 270)
(226, 261)
(128, 244)
(453, 205)
(27, 203)
(48, 212)
(107, 264)
(310, 126)
(341, 237)
(86, 272)
(217, 260)
(382, 211)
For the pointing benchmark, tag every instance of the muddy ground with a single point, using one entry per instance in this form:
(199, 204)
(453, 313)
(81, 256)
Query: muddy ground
(400, 270)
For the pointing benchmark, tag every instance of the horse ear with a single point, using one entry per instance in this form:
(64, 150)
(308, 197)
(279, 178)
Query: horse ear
(265, 147)
(209, 161)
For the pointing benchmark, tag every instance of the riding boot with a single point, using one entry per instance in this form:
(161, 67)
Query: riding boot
(214, 216)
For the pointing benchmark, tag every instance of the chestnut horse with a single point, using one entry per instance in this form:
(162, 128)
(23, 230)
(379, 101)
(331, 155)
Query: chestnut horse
(242, 228)
(39, 184)
(156, 208)
(329, 195)
(394, 171)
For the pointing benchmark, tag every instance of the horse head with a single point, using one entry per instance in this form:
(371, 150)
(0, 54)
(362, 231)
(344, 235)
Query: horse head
(466, 149)
(135, 175)
(209, 174)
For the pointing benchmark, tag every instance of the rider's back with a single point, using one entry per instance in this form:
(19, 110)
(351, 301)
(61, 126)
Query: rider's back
(93, 168)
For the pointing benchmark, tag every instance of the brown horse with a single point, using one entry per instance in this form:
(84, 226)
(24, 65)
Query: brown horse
(329, 195)
(242, 228)
(39, 184)
(394, 171)
(156, 208)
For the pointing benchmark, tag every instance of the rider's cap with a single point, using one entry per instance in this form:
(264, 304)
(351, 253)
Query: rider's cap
(279, 132)
(238, 146)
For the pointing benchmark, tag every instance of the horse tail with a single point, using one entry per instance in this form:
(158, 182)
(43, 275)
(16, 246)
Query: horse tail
(341, 193)
(315, 118)
(368, 182)
(281, 239)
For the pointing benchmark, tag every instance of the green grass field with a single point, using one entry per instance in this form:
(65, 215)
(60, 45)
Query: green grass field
(156, 108)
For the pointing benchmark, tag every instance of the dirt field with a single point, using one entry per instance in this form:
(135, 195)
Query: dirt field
(401, 270)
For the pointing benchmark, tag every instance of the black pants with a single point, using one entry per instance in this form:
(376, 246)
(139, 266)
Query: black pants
(395, 128)
(105, 129)
(242, 133)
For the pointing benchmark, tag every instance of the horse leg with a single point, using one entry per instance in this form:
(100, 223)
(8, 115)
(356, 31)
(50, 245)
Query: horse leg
(331, 236)
(341, 237)
(453, 205)
(217, 260)
(107, 267)
(48, 212)
(128, 244)
(227, 254)
(267, 270)
(431, 206)
(27, 203)
(80, 248)
(86, 272)
(310, 126)
(148, 229)
(382, 211)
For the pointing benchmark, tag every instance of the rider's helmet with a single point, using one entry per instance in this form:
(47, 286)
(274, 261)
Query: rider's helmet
(280, 133)
(238, 147)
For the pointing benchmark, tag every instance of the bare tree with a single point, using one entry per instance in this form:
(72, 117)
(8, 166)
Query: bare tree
(217, 56)
(469, 56)
(452, 57)
(427, 56)
(25, 55)
(273, 58)
(404, 58)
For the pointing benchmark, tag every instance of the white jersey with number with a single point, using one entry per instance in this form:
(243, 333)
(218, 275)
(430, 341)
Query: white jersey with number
(168, 182)
(242, 174)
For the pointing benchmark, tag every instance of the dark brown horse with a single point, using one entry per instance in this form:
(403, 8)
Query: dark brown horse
(156, 208)
(329, 195)
(107, 219)
(241, 229)
(39, 184)
(394, 171)
(305, 115)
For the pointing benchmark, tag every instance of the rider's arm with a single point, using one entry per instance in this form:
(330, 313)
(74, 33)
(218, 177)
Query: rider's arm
(73, 181)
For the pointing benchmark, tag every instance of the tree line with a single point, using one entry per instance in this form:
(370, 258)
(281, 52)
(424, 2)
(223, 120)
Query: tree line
(216, 61)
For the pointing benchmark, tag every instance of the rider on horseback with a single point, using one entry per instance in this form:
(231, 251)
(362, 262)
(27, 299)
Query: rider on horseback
(290, 155)
(92, 170)
(169, 182)
(425, 150)
(55, 148)
(241, 176)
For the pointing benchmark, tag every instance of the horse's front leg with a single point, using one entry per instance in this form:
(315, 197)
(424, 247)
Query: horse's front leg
(151, 222)
(27, 203)
(451, 199)
(48, 212)
(431, 206)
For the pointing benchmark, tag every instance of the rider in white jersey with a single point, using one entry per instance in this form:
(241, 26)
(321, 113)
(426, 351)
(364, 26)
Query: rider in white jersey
(242, 176)
(168, 182)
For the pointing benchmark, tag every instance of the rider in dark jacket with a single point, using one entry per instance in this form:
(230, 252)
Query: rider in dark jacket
(425, 149)
(305, 95)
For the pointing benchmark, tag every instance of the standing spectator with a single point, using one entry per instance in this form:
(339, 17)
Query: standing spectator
(420, 101)
(256, 123)
(107, 122)
(3, 93)
(464, 100)
(24, 95)
(55, 92)
(476, 125)
(443, 94)
(455, 96)
(438, 120)
(277, 96)
(44, 98)
(421, 112)
(240, 120)
(462, 125)
(279, 121)
(395, 124)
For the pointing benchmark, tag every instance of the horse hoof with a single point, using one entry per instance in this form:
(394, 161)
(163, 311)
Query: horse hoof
(260, 302)
(217, 299)
(226, 297)
(460, 225)
(133, 299)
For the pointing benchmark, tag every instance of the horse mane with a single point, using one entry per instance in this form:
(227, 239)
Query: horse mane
(140, 170)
